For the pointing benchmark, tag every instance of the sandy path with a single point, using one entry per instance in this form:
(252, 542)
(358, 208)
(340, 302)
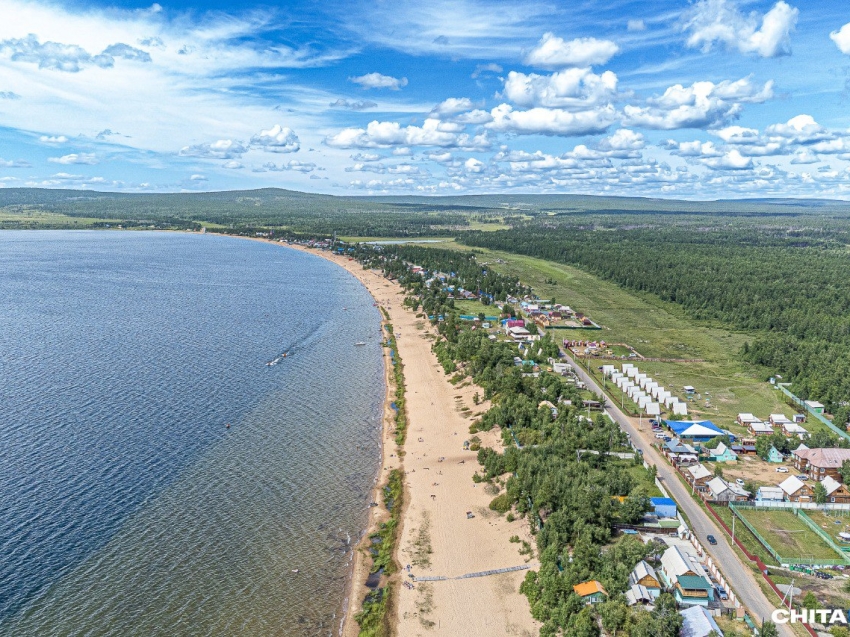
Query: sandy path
(438, 496)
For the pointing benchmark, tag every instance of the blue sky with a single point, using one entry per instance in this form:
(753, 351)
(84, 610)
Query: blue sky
(700, 100)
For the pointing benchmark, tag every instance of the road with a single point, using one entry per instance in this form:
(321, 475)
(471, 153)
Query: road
(746, 588)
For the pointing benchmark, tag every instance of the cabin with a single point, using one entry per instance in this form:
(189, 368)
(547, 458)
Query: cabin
(645, 576)
(721, 453)
(820, 463)
(814, 406)
(796, 490)
(686, 577)
(759, 428)
(698, 622)
(836, 492)
(792, 429)
(638, 594)
(770, 494)
(777, 420)
(591, 592)
(774, 455)
(663, 507)
(519, 333)
(723, 491)
(562, 368)
(746, 419)
(698, 477)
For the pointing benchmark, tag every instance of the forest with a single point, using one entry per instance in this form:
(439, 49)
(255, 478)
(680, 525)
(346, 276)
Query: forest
(789, 288)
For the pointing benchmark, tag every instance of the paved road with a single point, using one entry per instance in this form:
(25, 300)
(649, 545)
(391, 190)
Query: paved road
(746, 588)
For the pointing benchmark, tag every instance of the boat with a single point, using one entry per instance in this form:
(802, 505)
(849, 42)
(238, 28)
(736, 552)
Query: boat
(360, 343)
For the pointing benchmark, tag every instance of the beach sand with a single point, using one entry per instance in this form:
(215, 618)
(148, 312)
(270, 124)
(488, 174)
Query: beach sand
(436, 538)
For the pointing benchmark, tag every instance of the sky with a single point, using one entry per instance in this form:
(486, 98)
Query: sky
(701, 99)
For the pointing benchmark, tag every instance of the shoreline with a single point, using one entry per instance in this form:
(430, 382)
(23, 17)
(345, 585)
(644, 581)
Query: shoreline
(436, 537)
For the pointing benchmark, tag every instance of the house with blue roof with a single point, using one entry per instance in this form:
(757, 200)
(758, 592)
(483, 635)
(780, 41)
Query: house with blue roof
(663, 507)
(694, 430)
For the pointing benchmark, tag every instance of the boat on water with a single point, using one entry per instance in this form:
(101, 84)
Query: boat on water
(360, 343)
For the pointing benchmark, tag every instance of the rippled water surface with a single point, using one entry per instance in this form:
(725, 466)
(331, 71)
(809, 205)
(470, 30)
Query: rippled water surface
(126, 505)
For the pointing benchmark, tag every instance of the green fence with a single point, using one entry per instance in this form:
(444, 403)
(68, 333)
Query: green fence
(819, 417)
(736, 511)
(821, 533)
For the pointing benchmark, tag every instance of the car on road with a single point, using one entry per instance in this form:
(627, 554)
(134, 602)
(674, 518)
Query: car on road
(781, 469)
(739, 482)
(803, 477)
(711, 539)
(661, 436)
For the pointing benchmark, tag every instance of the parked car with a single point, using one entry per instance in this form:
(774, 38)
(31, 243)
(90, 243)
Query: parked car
(661, 436)
(803, 477)
(654, 422)
(711, 539)
(739, 482)
(721, 593)
(666, 438)
(781, 469)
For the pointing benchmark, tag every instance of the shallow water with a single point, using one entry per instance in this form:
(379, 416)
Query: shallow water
(126, 505)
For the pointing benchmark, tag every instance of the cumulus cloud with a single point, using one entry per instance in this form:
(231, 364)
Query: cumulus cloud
(361, 157)
(75, 158)
(277, 139)
(802, 129)
(232, 165)
(11, 163)
(551, 121)
(221, 149)
(573, 89)
(700, 105)
(67, 57)
(720, 21)
(804, 157)
(388, 134)
(842, 39)
(732, 160)
(197, 177)
(376, 80)
(553, 52)
(358, 105)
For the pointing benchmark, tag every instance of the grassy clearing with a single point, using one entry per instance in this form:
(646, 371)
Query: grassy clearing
(788, 535)
(656, 329)
(39, 219)
(747, 539)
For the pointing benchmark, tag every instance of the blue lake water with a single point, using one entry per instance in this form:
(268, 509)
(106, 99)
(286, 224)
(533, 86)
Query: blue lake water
(126, 505)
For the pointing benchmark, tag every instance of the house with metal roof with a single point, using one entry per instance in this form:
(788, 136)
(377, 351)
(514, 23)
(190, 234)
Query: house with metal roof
(645, 576)
(773, 455)
(796, 490)
(723, 491)
(835, 491)
(770, 494)
(591, 592)
(638, 594)
(694, 430)
(698, 476)
(819, 463)
(721, 453)
(698, 622)
(663, 507)
(686, 576)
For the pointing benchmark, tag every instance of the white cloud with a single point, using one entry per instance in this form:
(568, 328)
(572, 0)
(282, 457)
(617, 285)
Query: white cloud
(53, 139)
(553, 52)
(277, 139)
(297, 166)
(636, 25)
(388, 134)
(376, 80)
(451, 106)
(573, 89)
(358, 105)
(805, 157)
(197, 177)
(801, 129)
(485, 69)
(75, 158)
(67, 57)
(720, 21)
(842, 39)
(700, 105)
(232, 165)
(221, 149)
(551, 121)
(12, 163)
(442, 158)
(732, 160)
(361, 157)
(473, 165)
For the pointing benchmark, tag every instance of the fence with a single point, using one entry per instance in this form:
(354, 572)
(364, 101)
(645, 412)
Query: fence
(819, 417)
(736, 511)
(821, 533)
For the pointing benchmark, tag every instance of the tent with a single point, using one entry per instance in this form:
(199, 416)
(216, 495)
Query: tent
(701, 430)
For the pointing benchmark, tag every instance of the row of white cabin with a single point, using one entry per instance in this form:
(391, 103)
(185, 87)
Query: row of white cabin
(757, 427)
(645, 392)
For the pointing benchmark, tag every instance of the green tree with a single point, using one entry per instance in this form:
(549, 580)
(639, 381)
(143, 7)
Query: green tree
(768, 629)
(819, 493)
(810, 601)
(614, 615)
(845, 472)
(634, 507)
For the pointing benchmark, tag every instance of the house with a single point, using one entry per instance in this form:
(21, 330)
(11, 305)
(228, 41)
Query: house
(770, 494)
(519, 333)
(694, 430)
(689, 389)
(679, 453)
(698, 476)
(819, 463)
(663, 507)
(814, 406)
(777, 420)
(552, 409)
(591, 592)
(644, 575)
(687, 577)
(759, 428)
(721, 453)
(796, 490)
(723, 491)
(698, 623)
(638, 594)
(798, 418)
(835, 491)
(792, 429)
(746, 419)
(561, 368)
(746, 447)
(774, 455)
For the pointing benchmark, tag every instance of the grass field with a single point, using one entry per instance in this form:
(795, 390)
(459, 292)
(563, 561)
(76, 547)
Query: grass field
(828, 522)
(656, 329)
(788, 535)
(41, 219)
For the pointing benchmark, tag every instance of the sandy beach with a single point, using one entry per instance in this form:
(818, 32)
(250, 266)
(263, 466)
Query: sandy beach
(437, 538)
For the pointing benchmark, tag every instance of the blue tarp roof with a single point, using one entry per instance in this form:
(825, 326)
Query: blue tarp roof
(679, 426)
(669, 502)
